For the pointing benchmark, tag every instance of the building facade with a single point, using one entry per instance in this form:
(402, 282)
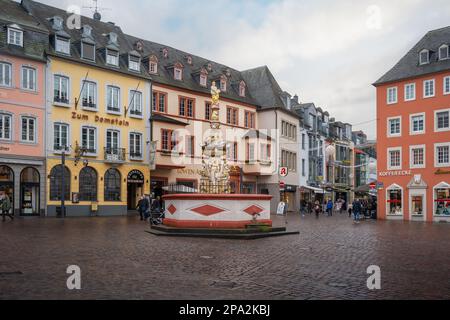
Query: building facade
(413, 136)
(98, 110)
(22, 110)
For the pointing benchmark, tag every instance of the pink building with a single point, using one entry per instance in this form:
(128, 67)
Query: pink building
(22, 110)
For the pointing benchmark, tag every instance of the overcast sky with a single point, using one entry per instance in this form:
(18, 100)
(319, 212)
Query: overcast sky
(327, 52)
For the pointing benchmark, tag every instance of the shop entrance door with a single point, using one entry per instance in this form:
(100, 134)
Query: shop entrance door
(7, 184)
(135, 188)
(29, 192)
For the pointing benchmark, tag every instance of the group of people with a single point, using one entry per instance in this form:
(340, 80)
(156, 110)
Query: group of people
(362, 207)
(357, 208)
(146, 206)
(5, 206)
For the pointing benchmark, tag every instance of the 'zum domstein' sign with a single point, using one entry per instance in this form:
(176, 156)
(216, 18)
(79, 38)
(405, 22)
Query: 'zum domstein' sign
(112, 121)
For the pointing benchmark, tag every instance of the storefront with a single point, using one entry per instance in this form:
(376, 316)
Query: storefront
(7, 183)
(135, 188)
(394, 202)
(441, 196)
(289, 196)
(30, 192)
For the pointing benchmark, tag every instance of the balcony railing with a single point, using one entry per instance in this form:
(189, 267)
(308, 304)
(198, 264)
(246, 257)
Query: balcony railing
(62, 99)
(136, 113)
(115, 155)
(89, 104)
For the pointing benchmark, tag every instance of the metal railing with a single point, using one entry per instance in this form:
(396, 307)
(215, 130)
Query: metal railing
(115, 155)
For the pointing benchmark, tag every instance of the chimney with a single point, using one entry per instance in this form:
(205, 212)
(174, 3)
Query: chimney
(296, 99)
(111, 23)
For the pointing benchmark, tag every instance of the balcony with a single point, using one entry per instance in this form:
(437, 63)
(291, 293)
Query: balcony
(115, 155)
(61, 100)
(258, 168)
(89, 104)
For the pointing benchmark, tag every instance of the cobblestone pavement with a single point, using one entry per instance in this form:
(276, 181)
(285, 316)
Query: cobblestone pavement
(119, 260)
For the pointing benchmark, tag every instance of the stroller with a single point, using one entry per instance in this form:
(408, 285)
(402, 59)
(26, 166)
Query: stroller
(156, 217)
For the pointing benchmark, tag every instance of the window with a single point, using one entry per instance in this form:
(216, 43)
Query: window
(135, 145)
(417, 157)
(249, 120)
(89, 139)
(190, 146)
(442, 199)
(289, 159)
(5, 74)
(303, 141)
(186, 107)
(410, 92)
(178, 74)
(112, 141)
(62, 45)
(442, 154)
(424, 57)
(88, 51)
(112, 57)
(28, 129)
(153, 67)
(113, 96)
(232, 116)
(223, 85)
(442, 120)
(169, 140)
(112, 185)
(303, 167)
(134, 63)
(5, 127)
(60, 137)
(392, 95)
(265, 151)
(136, 103)
(56, 175)
(159, 101)
(203, 80)
(28, 78)
(394, 127)
(89, 95)
(15, 37)
(250, 152)
(447, 85)
(394, 200)
(417, 123)
(61, 89)
(232, 151)
(242, 89)
(428, 88)
(394, 158)
(443, 52)
(207, 110)
(88, 184)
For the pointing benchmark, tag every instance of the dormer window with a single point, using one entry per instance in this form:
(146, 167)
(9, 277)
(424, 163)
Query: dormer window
(87, 31)
(88, 51)
(242, 89)
(443, 52)
(203, 79)
(15, 36)
(209, 67)
(153, 65)
(134, 63)
(189, 60)
(62, 45)
(112, 57)
(223, 85)
(165, 52)
(424, 56)
(112, 38)
(57, 23)
(178, 73)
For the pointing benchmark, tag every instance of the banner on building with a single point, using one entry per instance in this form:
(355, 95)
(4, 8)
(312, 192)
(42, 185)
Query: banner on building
(152, 156)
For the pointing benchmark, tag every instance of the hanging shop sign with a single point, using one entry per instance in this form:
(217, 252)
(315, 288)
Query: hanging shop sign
(135, 176)
(394, 173)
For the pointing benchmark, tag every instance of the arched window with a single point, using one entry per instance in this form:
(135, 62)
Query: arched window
(88, 184)
(112, 185)
(56, 175)
(30, 191)
(29, 175)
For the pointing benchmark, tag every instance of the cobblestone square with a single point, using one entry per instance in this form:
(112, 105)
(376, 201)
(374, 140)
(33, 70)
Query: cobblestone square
(119, 260)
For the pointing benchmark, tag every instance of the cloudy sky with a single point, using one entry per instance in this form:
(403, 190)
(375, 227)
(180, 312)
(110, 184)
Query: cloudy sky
(327, 52)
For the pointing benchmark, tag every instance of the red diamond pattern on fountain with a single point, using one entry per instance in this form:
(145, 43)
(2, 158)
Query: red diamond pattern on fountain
(253, 210)
(172, 209)
(207, 210)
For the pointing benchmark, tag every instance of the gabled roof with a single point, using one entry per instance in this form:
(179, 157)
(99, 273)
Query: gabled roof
(408, 66)
(264, 87)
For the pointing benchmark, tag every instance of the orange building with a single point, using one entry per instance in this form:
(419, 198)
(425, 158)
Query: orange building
(413, 133)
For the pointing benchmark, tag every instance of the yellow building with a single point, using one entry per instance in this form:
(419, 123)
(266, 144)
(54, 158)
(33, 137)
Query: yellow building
(98, 110)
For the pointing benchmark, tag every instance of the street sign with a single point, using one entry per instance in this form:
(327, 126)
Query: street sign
(373, 185)
(282, 185)
(284, 171)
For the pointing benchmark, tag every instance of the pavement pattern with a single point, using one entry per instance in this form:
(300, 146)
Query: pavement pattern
(328, 260)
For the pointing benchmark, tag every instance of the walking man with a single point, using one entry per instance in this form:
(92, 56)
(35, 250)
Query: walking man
(356, 210)
(5, 206)
(330, 208)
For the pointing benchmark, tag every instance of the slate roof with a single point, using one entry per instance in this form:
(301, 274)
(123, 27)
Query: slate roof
(43, 13)
(264, 87)
(408, 66)
(35, 36)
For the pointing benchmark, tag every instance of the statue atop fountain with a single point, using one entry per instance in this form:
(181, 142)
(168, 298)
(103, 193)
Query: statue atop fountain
(215, 173)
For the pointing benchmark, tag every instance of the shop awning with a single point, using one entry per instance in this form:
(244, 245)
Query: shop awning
(316, 190)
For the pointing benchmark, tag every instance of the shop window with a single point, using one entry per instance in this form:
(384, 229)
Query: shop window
(88, 184)
(394, 201)
(417, 205)
(7, 183)
(442, 200)
(112, 185)
(29, 189)
(56, 175)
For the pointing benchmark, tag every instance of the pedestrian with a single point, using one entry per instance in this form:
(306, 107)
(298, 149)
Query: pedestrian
(350, 210)
(317, 208)
(143, 207)
(302, 208)
(356, 210)
(330, 208)
(5, 206)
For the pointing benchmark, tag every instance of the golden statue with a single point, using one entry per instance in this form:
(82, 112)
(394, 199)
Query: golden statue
(215, 94)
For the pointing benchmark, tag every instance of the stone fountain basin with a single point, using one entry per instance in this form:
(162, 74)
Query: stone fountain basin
(216, 211)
